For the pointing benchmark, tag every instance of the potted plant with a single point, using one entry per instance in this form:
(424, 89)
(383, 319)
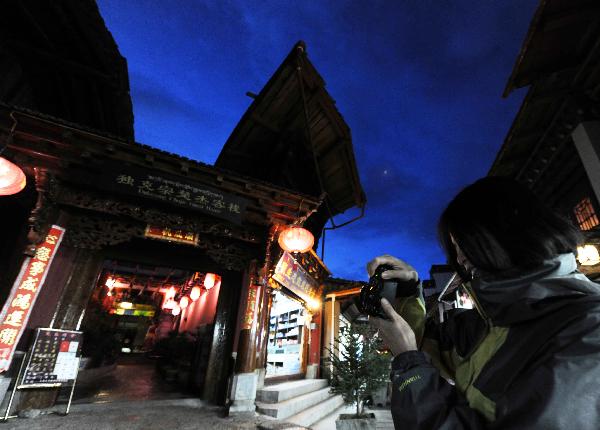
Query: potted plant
(359, 369)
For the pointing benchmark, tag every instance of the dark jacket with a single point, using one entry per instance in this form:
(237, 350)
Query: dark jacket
(527, 358)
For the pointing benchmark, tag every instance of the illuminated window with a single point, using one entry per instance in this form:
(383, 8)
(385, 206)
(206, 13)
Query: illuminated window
(586, 215)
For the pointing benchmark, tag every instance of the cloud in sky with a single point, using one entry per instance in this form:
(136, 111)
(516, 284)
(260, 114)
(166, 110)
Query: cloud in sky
(418, 82)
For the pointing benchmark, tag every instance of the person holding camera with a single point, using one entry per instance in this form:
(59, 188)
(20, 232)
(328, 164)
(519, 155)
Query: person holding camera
(528, 355)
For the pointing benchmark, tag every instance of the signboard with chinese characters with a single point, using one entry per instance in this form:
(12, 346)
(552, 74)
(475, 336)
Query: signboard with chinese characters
(250, 313)
(294, 277)
(23, 295)
(54, 358)
(177, 191)
(171, 235)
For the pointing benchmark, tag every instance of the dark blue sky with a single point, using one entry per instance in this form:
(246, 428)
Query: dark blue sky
(419, 82)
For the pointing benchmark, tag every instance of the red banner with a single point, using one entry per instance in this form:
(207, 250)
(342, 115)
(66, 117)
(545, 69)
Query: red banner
(17, 308)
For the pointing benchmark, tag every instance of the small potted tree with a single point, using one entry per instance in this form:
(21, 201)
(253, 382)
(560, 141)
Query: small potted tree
(360, 368)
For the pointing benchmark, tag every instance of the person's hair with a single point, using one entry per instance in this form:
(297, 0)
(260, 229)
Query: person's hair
(501, 226)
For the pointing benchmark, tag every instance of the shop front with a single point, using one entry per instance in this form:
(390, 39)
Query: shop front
(155, 247)
(296, 304)
(155, 254)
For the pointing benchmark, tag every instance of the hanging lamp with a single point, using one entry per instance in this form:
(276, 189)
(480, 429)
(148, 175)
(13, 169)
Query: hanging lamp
(195, 293)
(12, 178)
(210, 280)
(184, 302)
(296, 239)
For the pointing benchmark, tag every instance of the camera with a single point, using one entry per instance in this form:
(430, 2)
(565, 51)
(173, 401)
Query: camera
(368, 302)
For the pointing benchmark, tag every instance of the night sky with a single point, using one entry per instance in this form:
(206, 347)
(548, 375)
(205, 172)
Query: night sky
(419, 82)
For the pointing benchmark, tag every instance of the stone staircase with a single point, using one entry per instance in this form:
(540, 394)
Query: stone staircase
(302, 402)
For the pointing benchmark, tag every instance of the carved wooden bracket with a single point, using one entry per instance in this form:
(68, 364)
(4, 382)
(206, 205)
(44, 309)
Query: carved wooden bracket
(90, 200)
(45, 211)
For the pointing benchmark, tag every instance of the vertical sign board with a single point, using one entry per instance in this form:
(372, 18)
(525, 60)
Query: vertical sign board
(251, 303)
(294, 277)
(54, 358)
(24, 293)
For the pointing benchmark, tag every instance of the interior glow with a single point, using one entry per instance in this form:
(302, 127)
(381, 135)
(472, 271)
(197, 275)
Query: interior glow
(588, 255)
(176, 310)
(313, 304)
(110, 282)
(126, 305)
(12, 178)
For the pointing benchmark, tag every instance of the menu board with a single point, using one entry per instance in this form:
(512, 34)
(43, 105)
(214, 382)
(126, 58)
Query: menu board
(54, 358)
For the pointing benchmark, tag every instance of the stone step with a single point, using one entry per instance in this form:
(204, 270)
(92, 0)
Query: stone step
(317, 412)
(287, 390)
(292, 406)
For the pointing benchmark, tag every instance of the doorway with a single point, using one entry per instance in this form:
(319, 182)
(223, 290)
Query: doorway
(287, 338)
(147, 332)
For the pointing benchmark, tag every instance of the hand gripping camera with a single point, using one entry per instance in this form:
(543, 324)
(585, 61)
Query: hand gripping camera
(368, 302)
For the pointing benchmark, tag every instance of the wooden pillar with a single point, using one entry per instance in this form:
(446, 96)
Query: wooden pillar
(68, 313)
(78, 289)
(314, 352)
(586, 137)
(220, 361)
(331, 327)
(263, 332)
(247, 322)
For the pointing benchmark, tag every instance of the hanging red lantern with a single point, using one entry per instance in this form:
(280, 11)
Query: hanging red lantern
(169, 304)
(296, 239)
(195, 293)
(184, 302)
(210, 280)
(12, 178)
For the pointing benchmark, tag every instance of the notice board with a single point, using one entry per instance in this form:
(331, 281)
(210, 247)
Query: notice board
(54, 358)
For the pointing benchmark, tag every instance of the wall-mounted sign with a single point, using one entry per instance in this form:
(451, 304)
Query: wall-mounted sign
(177, 191)
(54, 358)
(23, 295)
(133, 309)
(171, 235)
(294, 277)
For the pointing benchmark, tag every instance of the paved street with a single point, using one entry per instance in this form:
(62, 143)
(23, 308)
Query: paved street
(149, 414)
(164, 414)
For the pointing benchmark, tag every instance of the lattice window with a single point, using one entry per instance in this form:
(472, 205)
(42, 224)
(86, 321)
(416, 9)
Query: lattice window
(586, 215)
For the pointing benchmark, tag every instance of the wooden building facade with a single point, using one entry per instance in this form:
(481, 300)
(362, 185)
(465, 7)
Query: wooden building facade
(66, 120)
(553, 145)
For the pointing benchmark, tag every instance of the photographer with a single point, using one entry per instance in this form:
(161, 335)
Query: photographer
(528, 355)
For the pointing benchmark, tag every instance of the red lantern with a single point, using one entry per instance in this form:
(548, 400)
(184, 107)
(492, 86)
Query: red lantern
(296, 239)
(195, 293)
(12, 178)
(169, 304)
(210, 280)
(184, 302)
(176, 310)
